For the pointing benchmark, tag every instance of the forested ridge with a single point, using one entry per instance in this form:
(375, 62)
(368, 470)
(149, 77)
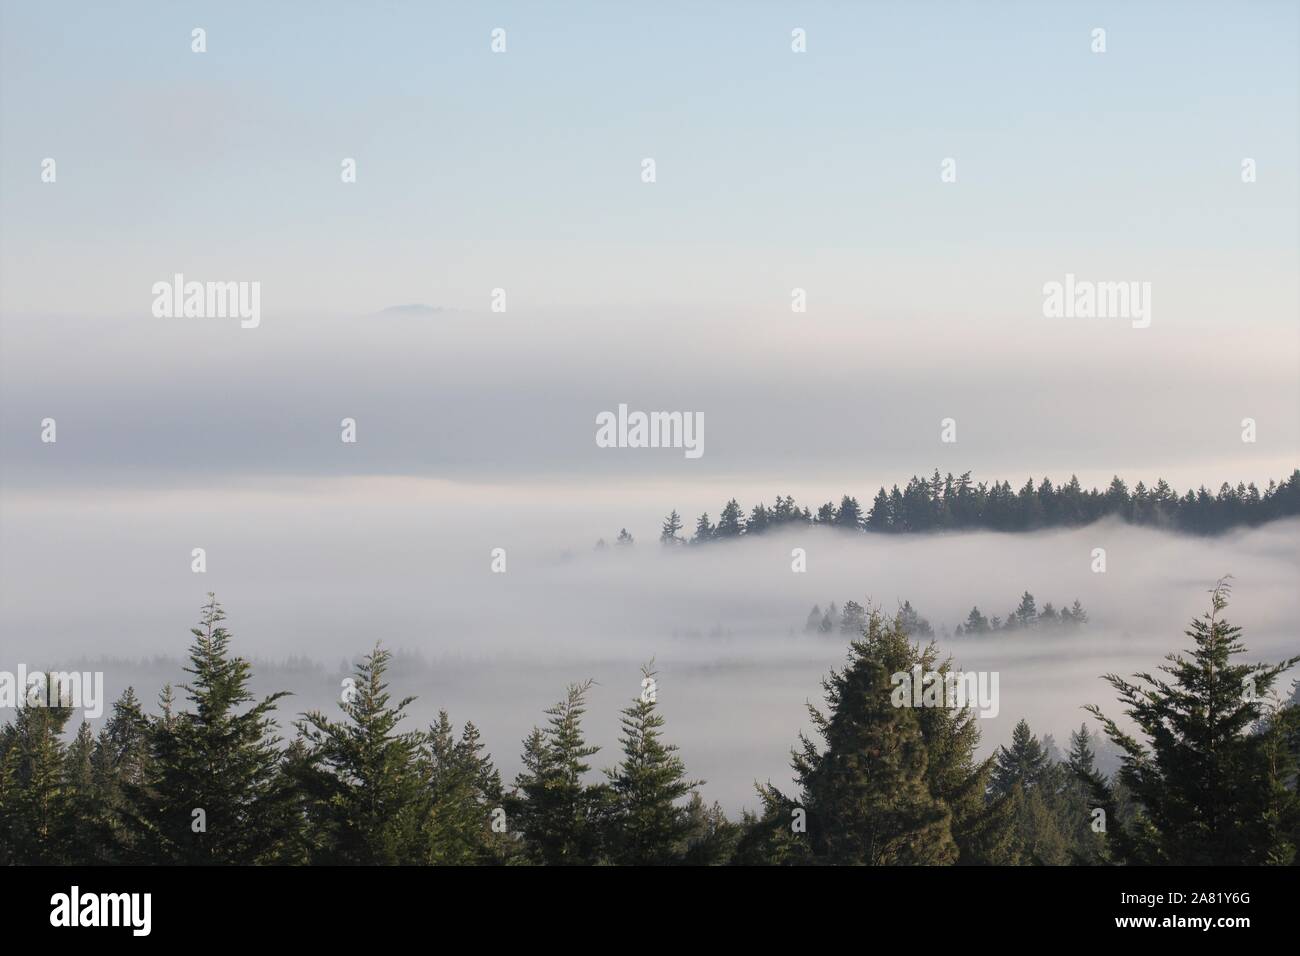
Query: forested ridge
(205, 778)
(948, 503)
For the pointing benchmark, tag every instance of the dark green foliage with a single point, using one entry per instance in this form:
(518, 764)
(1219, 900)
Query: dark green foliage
(866, 790)
(1021, 765)
(365, 795)
(466, 799)
(731, 523)
(558, 813)
(211, 792)
(646, 824)
(36, 790)
(1210, 792)
(1212, 778)
(950, 504)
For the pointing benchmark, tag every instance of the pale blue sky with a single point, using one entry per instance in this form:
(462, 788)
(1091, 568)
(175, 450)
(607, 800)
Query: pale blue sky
(775, 170)
(470, 161)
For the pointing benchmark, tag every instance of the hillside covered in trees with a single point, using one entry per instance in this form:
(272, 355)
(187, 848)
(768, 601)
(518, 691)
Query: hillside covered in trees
(1210, 777)
(948, 503)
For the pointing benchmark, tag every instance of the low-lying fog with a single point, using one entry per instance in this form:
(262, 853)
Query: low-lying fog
(311, 576)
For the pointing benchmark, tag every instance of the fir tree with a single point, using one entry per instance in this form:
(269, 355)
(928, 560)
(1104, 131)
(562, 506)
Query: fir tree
(865, 790)
(466, 792)
(119, 766)
(849, 514)
(731, 523)
(367, 796)
(853, 619)
(1023, 765)
(213, 793)
(558, 813)
(1026, 614)
(1202, 781)
(37, 799)
(669, 533)
(646, 824)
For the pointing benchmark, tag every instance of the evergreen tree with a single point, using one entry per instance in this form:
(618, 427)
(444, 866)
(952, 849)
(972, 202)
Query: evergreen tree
(976, 623)
(120, 762)
(36, 793)
(731, 523)
(703, 530)
(849, 514)
(1034, 786)
(1026, 614)
(646, 824)
(1024, 764)
(367, 795)
(913, 624)
(879, 518)
(865, 791)
(465, 791)
(558, 813)
(853, 619)
(1201, 779)
(213, 793)
(88, 825)
(981, 828)
(711, 839)
(1089, 846)
(671, 526)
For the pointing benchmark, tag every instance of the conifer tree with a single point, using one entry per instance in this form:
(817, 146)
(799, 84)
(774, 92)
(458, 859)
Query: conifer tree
(849, 514)
(558, 813)
(88, 826)
(647, 825)
(982, 828)
(367, 797)
(731, 523)
(669, 533)
(120, 762)
(976, 623)
(711, 839)
(465, 793)
(1026, 614)
(1023, 765)
(853, 619)
(1033, 785)
(1201, 778)
(213, 793)
(865, 790)
(1089, 844)
(36, 810)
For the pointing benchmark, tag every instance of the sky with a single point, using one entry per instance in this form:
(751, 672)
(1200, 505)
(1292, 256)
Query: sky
(822, 171)
(521, 171)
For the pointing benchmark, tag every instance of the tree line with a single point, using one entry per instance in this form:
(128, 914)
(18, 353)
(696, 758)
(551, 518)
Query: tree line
(1209, 777)
(852, 618)
(948, 503)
